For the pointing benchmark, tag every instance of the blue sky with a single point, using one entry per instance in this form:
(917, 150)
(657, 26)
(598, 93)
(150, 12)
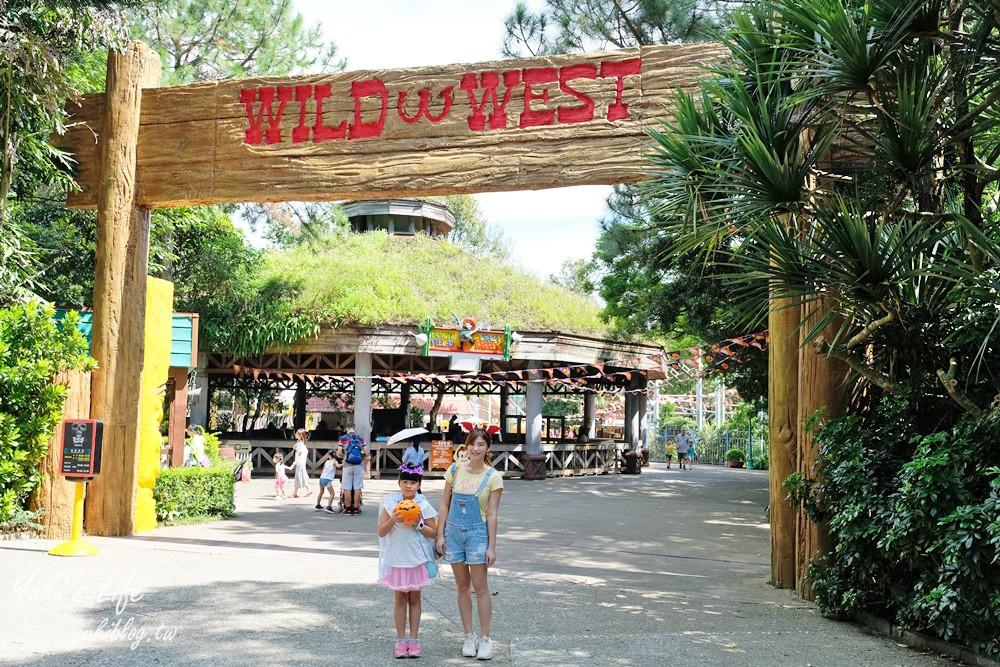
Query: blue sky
(546, 226)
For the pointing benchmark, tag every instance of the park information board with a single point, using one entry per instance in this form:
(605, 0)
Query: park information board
(441, 454)
(80, 454)
(518, 124)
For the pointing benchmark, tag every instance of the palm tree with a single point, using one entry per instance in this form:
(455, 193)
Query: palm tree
(846, 160)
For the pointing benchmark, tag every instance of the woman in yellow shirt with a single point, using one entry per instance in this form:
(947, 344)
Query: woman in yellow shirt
(467, 536)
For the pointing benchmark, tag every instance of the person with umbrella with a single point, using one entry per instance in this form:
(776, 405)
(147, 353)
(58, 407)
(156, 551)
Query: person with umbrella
(414, 454)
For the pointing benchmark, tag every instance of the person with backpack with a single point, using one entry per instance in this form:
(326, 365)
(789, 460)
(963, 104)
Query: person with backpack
(467, 536)
(353, 452)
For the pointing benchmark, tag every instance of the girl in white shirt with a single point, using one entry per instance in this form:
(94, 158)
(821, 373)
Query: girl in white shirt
(404, 549)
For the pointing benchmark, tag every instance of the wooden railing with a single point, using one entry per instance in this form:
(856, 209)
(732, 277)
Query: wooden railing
(561, 459)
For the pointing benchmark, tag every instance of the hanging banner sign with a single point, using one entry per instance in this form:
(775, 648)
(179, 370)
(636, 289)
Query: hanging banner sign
(519, 124)
(486, 343)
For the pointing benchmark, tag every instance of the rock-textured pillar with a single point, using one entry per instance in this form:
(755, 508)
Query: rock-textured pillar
(120, 294)
(363, 395)
(534, 393)
(589, 426)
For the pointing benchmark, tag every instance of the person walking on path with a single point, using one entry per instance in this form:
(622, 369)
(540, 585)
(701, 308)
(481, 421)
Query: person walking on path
(279, 476)
(353, 452)
(299, 464)
(198, 456)
(467, 536)
(683, 447)
(326, 480)
(404, 549)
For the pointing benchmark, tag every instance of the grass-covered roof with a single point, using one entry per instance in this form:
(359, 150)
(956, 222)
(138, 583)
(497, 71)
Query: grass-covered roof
(373, 279)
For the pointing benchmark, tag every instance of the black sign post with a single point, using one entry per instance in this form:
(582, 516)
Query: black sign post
(79, 460)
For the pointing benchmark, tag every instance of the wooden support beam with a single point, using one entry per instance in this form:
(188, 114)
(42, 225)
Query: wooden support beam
(178, 416)
(120, 293)
(821, 387)
(783, 414)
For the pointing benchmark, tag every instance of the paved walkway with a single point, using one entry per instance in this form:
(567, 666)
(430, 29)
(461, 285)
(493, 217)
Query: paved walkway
(665, 568)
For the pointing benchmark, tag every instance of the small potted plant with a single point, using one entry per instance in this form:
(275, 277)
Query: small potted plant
(736, 458)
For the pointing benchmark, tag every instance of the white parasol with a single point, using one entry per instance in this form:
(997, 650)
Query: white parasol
(405, 434)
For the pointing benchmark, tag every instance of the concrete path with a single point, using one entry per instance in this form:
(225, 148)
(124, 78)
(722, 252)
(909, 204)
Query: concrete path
(666, 568)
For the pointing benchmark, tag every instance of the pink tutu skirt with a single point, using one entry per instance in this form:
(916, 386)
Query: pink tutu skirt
(406, 578)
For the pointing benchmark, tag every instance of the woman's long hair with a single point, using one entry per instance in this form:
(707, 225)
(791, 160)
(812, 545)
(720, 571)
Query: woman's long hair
(481, 433)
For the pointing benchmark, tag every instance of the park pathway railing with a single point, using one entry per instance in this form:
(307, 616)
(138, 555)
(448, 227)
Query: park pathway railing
(711, 445)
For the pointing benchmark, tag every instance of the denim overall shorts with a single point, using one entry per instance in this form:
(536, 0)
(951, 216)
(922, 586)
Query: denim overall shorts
(465, 533)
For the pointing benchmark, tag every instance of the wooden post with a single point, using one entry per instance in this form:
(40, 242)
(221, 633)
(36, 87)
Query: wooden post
(821, 386)
(299, 407)
(120, 293)
(783, 413)
(178, 416)
(55, 494)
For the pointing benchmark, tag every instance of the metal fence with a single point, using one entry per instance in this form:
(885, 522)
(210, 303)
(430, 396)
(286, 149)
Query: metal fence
(711, 445)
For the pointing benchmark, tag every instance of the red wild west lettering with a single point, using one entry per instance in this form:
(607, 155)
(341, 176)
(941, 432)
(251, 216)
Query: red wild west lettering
(301, 132)
(489, 81)
(266, 95)
(619, 70)
(359, 91)
(323, 132)
(536, 76)
(422, 109)
(585, 112)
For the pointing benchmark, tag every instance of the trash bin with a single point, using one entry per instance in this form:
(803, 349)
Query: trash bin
(632, 466)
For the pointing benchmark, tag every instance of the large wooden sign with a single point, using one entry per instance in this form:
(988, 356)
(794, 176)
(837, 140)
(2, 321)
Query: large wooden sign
(504, 125)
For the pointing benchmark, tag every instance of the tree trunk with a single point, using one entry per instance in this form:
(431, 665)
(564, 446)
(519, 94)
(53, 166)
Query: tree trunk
(120, 294)
(435, 408)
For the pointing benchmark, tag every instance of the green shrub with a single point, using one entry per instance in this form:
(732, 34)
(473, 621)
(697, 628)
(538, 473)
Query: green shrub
(33, 349)
(736, 456)
(916, 523)
(186, 493)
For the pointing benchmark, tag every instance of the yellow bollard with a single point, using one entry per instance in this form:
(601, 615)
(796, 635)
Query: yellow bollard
(75, 546)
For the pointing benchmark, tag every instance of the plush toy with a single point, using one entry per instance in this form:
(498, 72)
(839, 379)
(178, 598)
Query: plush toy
(409, 511)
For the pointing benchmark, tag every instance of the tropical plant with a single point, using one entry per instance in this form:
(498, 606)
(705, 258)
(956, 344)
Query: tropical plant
(914, 517)
(844, 162)
(34, 348)
(736, 456)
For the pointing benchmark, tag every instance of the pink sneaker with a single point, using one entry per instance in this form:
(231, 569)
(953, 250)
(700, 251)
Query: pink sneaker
(414, 648)
(402, 649)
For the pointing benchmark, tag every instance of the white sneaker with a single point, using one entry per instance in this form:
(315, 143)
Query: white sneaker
(485, 649)
(469, 648)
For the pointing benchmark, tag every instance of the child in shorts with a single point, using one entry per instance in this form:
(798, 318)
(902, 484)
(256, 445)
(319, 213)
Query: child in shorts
(280, 477)
(326, 483)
